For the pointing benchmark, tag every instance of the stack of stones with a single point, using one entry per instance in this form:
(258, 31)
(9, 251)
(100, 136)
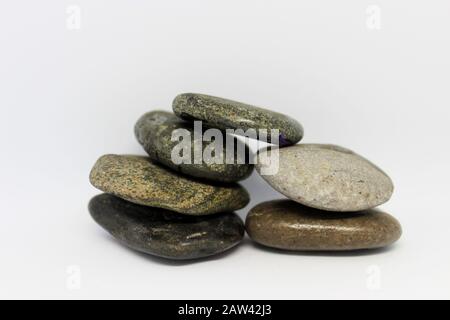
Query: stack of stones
(185, 210)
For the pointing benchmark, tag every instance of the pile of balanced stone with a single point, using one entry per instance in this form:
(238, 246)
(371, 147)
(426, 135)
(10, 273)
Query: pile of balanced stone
(185, 210)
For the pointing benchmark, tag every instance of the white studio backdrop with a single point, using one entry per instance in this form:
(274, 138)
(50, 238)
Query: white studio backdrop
(372, 76)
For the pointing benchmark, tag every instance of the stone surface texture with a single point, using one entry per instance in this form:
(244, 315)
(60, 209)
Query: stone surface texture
(165, 233)
(285, 224)
(154, 132)
(139, 180)
(328, 177)
(227, 114)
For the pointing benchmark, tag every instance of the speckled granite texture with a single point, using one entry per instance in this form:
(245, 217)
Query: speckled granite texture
(139, 180)
(227, 114)
(154, 132)
(328, 177)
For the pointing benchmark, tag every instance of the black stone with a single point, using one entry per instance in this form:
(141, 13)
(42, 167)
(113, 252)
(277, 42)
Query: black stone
(165, 233)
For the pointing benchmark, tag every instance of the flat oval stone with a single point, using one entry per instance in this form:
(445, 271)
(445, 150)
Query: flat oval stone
(327, 177)
(165, 233)
(285, 224)
(139, 180)
(227, 114)
(154, 132)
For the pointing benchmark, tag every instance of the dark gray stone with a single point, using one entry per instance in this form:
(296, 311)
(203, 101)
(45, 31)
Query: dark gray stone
(154, 132)
(227, 114)
(165, 233)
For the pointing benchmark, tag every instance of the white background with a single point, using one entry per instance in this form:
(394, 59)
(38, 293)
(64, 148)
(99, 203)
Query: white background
(69, 96)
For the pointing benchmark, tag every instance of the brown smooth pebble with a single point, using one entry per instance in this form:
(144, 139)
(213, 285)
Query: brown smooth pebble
(285, 224)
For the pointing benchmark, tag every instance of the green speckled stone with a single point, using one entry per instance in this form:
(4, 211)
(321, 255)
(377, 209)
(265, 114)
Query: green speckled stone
(227, 114)
(285, 224)
(154, 132)
(165, 233)
(139, 180)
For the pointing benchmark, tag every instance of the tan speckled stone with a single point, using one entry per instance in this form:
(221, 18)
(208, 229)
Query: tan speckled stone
(139, 180)
(285, 224)
(328, 177)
